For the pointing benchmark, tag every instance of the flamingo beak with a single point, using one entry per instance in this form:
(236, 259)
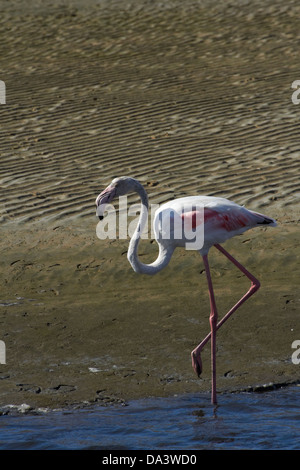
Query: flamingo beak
(104, 198)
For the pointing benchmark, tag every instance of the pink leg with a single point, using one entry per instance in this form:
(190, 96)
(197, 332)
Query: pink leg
(213, 330)
(196, 353)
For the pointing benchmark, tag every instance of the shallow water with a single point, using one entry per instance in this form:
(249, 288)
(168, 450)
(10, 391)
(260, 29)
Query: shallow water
(269, 420)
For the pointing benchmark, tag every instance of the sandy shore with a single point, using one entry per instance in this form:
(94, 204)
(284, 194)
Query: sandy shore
(189, 98)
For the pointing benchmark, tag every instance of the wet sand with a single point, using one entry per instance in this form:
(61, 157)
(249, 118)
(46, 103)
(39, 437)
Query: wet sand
(189, 98)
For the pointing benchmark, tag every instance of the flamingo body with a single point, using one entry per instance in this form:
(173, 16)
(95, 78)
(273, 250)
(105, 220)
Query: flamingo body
(218, 218)
(176, 223)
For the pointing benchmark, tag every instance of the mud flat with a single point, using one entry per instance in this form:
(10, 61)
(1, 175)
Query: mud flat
(189, 98)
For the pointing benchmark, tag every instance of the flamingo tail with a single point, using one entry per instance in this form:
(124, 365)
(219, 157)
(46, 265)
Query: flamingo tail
(264, 220)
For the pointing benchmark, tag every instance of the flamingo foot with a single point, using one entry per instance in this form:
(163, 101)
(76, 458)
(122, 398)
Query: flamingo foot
(196, 362)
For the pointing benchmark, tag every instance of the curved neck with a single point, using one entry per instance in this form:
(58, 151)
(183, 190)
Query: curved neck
(165, 252)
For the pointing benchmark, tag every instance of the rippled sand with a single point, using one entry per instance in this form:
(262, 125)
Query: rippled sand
(189, 98)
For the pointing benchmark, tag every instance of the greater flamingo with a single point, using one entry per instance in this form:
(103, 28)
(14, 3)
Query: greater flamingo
(218, 218)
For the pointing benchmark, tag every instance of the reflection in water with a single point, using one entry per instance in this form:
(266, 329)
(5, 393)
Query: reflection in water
(268, 420)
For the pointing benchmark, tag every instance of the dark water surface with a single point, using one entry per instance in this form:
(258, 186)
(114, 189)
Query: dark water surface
(269, 420)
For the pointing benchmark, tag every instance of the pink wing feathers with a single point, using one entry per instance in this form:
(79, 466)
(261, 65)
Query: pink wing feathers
(231, 219)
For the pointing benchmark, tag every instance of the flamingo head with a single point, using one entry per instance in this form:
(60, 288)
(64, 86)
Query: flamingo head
(118, 187)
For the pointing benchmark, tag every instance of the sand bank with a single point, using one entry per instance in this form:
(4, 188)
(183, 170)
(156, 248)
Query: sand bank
(189, 99)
